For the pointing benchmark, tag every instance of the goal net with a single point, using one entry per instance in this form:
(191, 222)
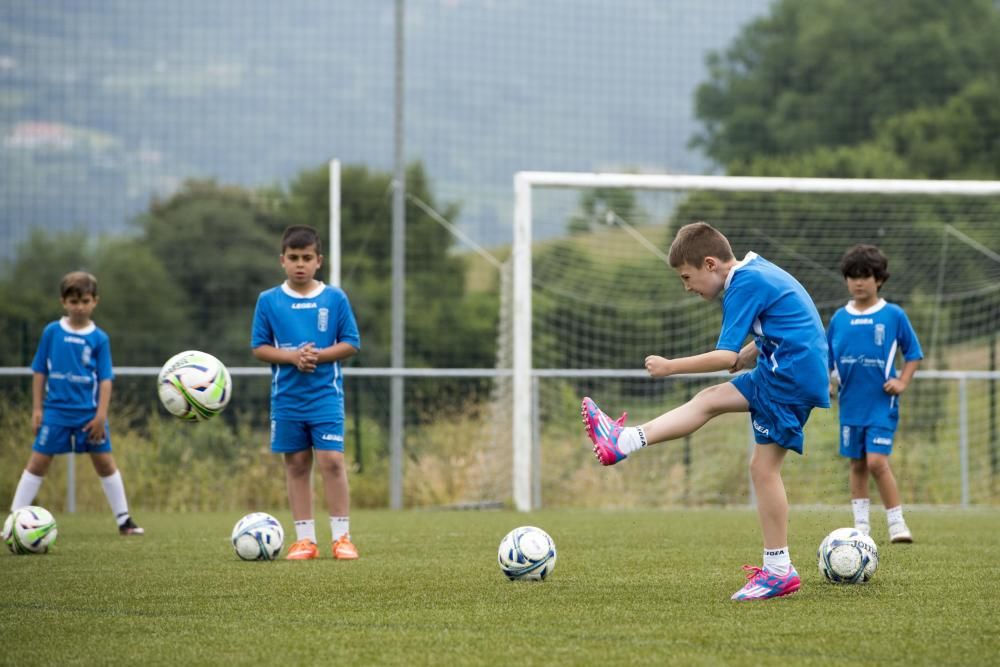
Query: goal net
(591, 295)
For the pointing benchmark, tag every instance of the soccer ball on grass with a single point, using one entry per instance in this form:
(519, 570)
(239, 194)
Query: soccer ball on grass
(29, 530)
(527, 553)
(847, 556)
(194, 386)
(258, 536)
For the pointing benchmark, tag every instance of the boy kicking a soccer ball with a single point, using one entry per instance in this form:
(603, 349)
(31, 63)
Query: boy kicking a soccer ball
(864, 336)
(71, 392)
(789, 380)
(304, 329)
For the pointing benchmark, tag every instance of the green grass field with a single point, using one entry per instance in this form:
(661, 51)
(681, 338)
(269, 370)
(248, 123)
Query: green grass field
(629, 588)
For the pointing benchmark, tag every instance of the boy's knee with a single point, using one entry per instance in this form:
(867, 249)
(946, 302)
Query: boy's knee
(878, 465)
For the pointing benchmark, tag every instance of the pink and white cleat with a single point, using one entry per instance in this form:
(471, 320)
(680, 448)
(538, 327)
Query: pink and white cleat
(603, 432)
(763, 584)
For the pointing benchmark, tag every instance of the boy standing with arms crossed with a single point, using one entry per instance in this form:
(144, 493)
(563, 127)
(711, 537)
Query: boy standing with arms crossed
(71, 392)
(789, 380)
(864, 336)
(304, 329)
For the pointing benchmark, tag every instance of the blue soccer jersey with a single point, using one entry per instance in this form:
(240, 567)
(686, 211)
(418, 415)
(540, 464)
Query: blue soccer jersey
(765, 300)
(288, 320)
(863, 346)
(74, 362)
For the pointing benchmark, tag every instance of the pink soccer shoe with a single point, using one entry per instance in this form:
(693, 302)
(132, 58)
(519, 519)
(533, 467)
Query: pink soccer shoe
(763, 584)
(603, 432)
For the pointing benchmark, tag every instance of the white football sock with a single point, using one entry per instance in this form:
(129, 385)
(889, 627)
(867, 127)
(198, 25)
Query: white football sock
(631, 438)
(305, 530)
(340, 526)
(114, 490)
(27, 489)
(894, 514)
(861, 507)
(777, 561)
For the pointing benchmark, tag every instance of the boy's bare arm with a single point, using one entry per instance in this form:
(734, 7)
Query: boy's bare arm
(336, 352)
(897, 386)
(301, 358)
(37, 397)
(716, 360)
(747, 358)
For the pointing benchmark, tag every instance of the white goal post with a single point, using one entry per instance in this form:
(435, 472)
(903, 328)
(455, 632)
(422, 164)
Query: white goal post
(524, 409)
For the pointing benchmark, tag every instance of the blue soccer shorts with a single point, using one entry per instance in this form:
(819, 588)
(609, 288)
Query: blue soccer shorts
(55, 439)
(777, 423)
(856, 441)
(289, 435)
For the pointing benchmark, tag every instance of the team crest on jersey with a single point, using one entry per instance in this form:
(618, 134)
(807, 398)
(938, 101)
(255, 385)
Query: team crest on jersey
(322, 318)
(879, 334)
(86, 355)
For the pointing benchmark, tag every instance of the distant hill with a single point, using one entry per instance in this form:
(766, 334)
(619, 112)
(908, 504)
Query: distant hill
(104, 104)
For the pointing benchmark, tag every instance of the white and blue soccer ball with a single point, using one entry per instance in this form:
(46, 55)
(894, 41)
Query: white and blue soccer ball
(194, 386)
(847, 556)
(258, 536)
(29, 530)
(527, 553)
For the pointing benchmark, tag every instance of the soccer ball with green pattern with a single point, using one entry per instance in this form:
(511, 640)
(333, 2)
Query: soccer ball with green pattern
(29, 530)
(194, 386)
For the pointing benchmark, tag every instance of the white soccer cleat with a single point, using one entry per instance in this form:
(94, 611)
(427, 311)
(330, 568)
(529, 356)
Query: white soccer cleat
(899, 533)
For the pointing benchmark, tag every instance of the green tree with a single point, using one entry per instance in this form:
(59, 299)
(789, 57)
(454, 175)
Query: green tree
(821, 74)
(219, 246)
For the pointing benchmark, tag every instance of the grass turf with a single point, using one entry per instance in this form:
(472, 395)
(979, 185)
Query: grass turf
(629, 588)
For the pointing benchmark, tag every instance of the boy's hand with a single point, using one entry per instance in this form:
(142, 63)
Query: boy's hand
(306, 358)
(95, 429)
(658, 367)
(36, 421)
(894, 386)
(833, 390)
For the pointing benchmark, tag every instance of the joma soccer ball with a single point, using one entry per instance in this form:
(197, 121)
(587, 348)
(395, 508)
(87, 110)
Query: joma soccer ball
(847, 556)
(29, 530)
(258, 536)
(194, 386)
(527, 554)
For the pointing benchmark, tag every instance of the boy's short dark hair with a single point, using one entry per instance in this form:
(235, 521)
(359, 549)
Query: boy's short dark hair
(694, 242)
(77, 284)
(865, 261)
(301, 236)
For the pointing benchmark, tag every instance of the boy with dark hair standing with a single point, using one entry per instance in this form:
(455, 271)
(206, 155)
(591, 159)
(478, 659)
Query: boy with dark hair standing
(864, 337)
(789, 380)
(304, 329)
(71, 392)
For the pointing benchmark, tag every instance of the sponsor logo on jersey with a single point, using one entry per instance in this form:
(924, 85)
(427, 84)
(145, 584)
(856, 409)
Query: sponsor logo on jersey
(323, 318)
(862, 320)
(74, 339)
(300, 306)
(763, 430)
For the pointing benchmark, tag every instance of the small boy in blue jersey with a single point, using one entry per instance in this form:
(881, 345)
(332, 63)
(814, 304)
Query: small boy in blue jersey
(790, 379)
(864, 337)
(304, 329)
(70, 395)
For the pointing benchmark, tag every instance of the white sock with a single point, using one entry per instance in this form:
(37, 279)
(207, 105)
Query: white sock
(894, 514)
(27, 489)
(631, 438)
(305, 530)
(340, 526)
(861, 507)
(777, 561)
(114, 490)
